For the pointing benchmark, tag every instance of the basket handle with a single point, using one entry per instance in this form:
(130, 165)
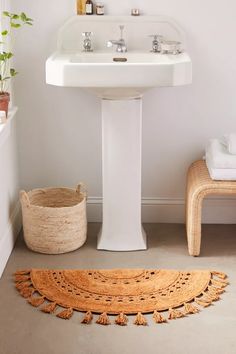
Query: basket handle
(81, 189)
(24, 198)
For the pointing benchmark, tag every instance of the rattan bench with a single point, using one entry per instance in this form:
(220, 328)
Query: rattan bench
(200, 185)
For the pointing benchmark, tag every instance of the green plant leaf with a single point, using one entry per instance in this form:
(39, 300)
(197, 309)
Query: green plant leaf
(4, 33)
(13, 72)
(15, 25)
(9, 55)
(6, 13)
(3, 56)
(15, 16)
(29, 23)
(23, 17)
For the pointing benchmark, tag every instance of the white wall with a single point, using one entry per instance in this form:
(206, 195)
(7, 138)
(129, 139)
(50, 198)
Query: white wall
(60, 129)
(10, 221)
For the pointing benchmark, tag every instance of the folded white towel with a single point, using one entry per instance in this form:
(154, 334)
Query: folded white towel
(221, 174)
(219, 157)
(230, 141)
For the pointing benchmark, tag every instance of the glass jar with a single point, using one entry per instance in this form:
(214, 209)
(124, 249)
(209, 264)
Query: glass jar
(100, 9)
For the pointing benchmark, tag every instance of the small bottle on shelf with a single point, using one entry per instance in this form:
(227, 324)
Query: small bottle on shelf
(89, 7)
(100, 9)
(81, 4)
(83, 7)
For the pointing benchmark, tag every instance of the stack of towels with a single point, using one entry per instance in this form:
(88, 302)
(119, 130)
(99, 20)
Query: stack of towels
(221, 158)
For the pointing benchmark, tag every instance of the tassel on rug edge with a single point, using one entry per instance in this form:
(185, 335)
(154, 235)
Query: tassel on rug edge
(121, 319)
(103, 319)
(219, 283)
(27, 292)
(202, 303)
(213, 290)
(22, 278)
(22, 285)
(22, 272)
(220, 275)
(88, 317)
(190, 309)
(36, 301)
(158, 318)
(66, 314)
(174, 314)
(49, 308)
(140, 320)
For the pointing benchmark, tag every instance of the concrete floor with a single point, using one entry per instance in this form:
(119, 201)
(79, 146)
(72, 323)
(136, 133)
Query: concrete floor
(26, 330)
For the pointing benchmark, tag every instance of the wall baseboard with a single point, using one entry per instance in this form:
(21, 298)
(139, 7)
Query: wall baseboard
(9, 238)
(154, 210)
(169, 210)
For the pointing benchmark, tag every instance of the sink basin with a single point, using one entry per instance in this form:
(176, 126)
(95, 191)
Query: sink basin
(69, 66)
(108, 77)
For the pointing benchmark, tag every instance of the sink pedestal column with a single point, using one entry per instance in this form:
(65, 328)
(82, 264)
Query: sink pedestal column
(122, 137)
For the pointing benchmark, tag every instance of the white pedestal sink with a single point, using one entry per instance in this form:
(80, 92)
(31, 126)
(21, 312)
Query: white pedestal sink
(120, 86)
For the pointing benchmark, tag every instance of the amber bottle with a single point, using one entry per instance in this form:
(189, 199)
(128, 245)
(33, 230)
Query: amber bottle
(89, 7)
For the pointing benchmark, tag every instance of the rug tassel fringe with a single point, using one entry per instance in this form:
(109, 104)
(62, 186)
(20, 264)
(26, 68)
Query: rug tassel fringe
(219, 283)
(211, 296)
(220, 275)
(66, 314)
(20, 278)
(36, 301)
(190, 309)
(202, 302)
(121, 319)
(87, 318)
(214, 290)
(140, 320)
(23, 272)
(22, 285)
(158, 318)
(27, 292)
(174, 314)
(103, 319)
(49, 308)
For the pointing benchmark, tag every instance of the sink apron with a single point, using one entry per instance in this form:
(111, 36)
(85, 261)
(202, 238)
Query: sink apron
(122, 144)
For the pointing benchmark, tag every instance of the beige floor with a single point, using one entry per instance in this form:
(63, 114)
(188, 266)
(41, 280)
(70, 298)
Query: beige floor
(25, 330)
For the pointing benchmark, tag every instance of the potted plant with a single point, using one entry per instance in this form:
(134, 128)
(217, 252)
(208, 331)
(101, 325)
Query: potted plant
(11, 22)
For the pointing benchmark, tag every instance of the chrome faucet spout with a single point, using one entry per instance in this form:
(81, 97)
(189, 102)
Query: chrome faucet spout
(120, 43)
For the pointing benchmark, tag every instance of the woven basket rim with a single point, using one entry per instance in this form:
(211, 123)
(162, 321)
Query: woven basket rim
(57, 208)
(32, 205)
(51, 188)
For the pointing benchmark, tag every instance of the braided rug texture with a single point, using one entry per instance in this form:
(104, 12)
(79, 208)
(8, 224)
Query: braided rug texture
(120, 292)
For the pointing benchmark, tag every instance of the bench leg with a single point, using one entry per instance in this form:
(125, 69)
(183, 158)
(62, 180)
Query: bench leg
(193, 223)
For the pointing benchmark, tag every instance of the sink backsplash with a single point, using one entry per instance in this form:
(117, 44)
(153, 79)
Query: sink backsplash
(136, 32)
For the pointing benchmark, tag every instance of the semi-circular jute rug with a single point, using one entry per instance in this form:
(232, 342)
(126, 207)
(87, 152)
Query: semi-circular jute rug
(120, 292)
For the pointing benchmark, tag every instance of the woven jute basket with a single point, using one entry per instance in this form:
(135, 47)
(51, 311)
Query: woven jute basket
(54, 219)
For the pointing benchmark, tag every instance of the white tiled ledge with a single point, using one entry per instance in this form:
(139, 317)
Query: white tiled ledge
(6, 127)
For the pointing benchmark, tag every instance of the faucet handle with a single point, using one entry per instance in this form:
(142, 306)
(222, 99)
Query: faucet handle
(87, 44)
(87, 34)
(156, 36)
(156, 43)
(109, 44)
